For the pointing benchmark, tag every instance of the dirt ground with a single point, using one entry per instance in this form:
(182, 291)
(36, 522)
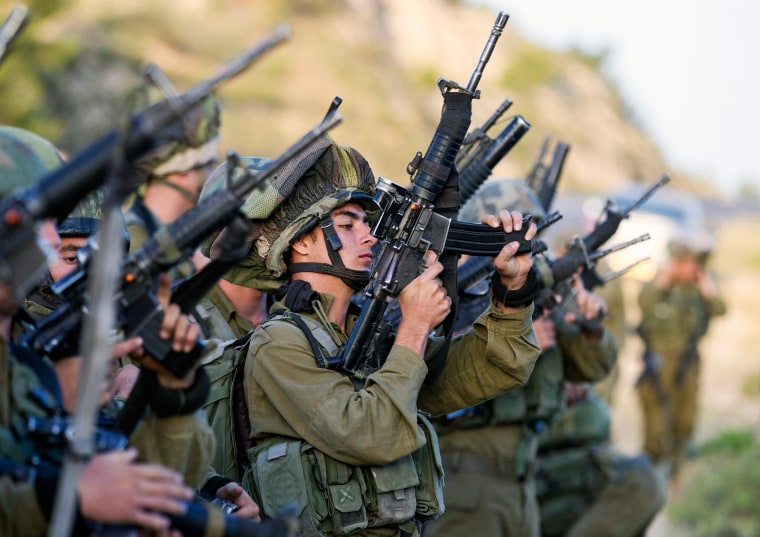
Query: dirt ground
(730, 352)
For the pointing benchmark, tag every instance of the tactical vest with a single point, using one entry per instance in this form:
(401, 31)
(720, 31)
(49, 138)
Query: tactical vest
(24, 396)
(533, 404)
(339, 498)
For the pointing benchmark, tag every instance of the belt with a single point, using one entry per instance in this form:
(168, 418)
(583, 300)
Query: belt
(460, 462)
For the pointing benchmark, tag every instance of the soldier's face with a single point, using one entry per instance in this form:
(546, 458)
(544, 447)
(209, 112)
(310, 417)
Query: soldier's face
(352, 226)
(67, 257)
(686, 269)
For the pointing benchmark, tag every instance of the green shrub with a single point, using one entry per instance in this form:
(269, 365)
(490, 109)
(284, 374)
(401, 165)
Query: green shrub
(719, 495)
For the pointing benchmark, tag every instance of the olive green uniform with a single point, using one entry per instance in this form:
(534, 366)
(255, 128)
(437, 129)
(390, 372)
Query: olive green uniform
(358, 430)
(184, 443)
(673, 320)
(141, 225)
(489, 452)
(587, 488)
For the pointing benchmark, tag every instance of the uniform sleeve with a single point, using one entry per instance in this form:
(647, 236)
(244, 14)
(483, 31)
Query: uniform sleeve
(585, 360)
(649, 296)
(20, 513)
(289, 395)
(184, 443)
(497, 355)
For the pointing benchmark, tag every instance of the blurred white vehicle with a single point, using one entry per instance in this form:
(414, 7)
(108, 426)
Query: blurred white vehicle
(667, 214)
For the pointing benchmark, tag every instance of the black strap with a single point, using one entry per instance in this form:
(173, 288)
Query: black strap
(518, 298)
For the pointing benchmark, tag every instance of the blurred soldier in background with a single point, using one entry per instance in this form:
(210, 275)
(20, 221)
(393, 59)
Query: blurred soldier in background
(676, 310)
(489, 451)
(584, 486)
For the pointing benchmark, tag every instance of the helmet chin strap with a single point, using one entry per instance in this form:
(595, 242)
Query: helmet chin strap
(355, 279)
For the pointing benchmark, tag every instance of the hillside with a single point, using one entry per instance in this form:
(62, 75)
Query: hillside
(382, 57)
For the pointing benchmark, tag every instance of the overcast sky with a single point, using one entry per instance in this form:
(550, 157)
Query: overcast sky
(688, 69)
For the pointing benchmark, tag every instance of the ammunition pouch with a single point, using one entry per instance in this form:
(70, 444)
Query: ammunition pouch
(342, 499)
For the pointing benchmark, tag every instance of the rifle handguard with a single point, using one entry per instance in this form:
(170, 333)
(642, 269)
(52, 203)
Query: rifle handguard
(518, 298)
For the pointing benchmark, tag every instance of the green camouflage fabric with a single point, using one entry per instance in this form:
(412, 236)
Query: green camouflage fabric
(86, 216)
(44, 149)
(298, 195)
(498, 194)
(186, 144)
(20, 164)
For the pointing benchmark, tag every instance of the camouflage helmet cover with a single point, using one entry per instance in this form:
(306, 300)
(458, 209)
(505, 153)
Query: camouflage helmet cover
(24, 158)
(296, 198)
(188, 143)
(83, 221)
(498, 194)
(691, 243)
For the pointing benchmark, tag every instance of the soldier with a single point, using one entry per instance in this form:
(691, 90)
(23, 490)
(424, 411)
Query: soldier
(676, 309)
(73, 233)
(357, 456)
(489, 450)
(26, 498)
(176, 170)
(586, 487)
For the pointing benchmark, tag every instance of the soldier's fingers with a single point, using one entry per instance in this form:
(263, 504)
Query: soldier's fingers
(151, 521)
(517, 220)
(164, 290)
(491, 220)
(171, 316)
(507, 222)
(127, 346)
(185, 334)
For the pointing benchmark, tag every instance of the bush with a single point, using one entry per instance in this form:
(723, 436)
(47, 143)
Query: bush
(719, 497)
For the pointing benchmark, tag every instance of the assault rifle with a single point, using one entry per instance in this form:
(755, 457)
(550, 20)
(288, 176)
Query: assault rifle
(57, 193)
(542, 179)
(561, 293)
(416, 220)
(480, 153)
(138, 310)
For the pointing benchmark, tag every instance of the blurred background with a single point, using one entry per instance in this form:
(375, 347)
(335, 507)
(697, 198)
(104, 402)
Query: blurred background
(75, 70)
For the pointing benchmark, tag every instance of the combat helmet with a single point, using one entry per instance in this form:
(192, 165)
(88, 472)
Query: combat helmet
(691, 243)
(497, 194)
(300, 195)
(25, 157)
(190, 142)
(85, 218)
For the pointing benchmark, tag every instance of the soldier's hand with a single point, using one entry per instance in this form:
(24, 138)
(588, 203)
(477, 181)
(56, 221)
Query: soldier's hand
(181, 330)
(512, 270)
(546, 335)
(247, 508)
(68, 370)
(114, 489)
(589, 305)
(424, 304)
